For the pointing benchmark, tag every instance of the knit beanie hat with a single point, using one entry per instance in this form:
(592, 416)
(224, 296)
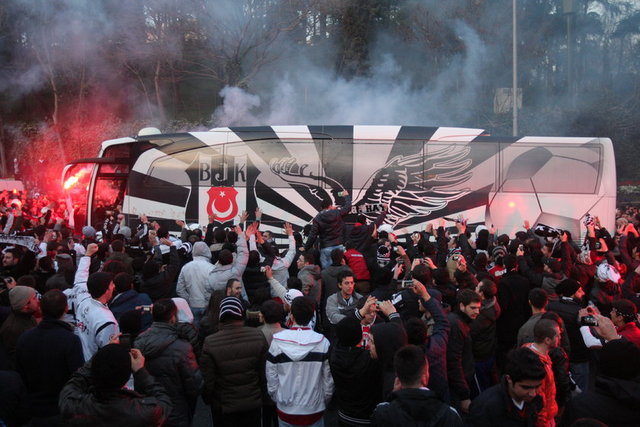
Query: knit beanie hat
(567, 287)
(89, 232)
(110, 367)
(98, 283)
(19, 296)
(231, 308)
(349, 332)
(620, 359)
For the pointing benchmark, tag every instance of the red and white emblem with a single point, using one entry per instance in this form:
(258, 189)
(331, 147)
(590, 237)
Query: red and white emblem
(222, 203)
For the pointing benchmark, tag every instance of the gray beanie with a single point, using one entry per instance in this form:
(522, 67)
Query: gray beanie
(89, 232)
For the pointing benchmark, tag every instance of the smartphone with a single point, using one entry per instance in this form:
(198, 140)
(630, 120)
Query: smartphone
(407, 284)
(125, 341)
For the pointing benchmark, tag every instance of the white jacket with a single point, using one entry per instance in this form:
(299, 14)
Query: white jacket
(298, 375)
(194, 277)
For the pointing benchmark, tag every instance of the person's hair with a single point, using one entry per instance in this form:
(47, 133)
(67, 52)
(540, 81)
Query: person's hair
(344, 274)
(416, 331)
(272, 312)
(626, 309)
(308, 258)
(26, 280)
(538, 298)
(117, 245)
(113, 266)
(337, 256)
(294, 283)
(509, 261)
(98, 283)
(552, 315)
(544, 328)
(53, 304)
(326, 203)
(302, 309)
(488, 288)
(17, 253)
(163, 310)
(225, 257)
(422, 274)
(409, 363)
(219, 235)
(361, 219)
(123, 282)
(467, 296)
(523, 364)
(230, 283)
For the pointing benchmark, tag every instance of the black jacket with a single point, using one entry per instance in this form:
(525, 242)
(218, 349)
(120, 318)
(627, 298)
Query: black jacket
(329, 226)
(148, 406)
(494, 407)
(173, 364)
(233, 364)
(615, 402)
(46, 357)
(513, 298)
(460, 362)
(568, 309)
(357, 382)
(360, 234)
(415, 407)
(436, 349)
(483, 331)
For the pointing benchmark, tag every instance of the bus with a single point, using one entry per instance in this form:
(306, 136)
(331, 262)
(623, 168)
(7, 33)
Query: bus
(422, 174)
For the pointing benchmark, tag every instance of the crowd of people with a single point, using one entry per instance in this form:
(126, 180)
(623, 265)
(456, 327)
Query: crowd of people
(128, 324)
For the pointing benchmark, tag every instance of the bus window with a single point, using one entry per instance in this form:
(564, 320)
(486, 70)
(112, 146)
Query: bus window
(109, 190)
(551, 169)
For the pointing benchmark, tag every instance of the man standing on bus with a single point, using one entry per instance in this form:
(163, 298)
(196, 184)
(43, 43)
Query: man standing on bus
(329, 227)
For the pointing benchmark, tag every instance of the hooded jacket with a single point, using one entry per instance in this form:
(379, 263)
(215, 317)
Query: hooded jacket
(310, 276)
(494, 407)
(222, 273)
(295, 354)
(415, 407)
(173, 364)
(613, 401)
(194, 276)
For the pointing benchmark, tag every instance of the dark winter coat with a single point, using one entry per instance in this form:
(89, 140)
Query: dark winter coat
(613, 401)
(568, 309)
(233, 364)
(513, 298)
(436, 349)
(356, 377)
(148, 406)
(360, 234)
(46, 357)
(494, 407)
(483, 331)
(173, 364)
(415, 407)
(460, 362)
(328, 226)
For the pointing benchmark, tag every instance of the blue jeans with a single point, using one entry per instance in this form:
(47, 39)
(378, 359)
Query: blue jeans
(198, 313)
(319, 423)
(325, 255)
(580, 374)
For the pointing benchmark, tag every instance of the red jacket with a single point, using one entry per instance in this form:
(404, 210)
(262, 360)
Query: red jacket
(546, 416)
(630, 332)
(357, 264)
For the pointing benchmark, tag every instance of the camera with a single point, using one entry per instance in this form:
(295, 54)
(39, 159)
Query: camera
(588, 321)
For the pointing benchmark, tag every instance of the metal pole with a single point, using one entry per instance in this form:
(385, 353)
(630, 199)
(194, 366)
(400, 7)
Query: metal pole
(514, 94)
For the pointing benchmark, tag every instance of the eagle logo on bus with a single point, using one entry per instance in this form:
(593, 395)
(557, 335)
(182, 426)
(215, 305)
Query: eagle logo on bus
(222, 203)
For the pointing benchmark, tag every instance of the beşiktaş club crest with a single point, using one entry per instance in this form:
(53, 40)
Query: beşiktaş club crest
(222, 203)
(218, 187)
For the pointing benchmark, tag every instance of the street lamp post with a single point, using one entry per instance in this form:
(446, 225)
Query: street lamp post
(514, 93)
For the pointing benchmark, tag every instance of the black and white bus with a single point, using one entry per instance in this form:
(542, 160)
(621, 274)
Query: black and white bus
(422, 173)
